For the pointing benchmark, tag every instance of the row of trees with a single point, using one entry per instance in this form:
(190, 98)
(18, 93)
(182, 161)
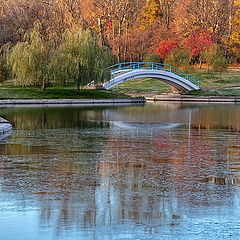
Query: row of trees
(130, 28)
(178, 31)
(77, 59)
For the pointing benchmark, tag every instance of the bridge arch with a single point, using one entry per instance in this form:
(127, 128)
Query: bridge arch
(175, 77)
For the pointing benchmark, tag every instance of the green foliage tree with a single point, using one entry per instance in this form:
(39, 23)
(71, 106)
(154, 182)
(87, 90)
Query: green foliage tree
(215, 59)
(178, 58)
(152, 58)
(4, 70)
(210, 54)
(220, 64)
(30, 60)
(80, 58)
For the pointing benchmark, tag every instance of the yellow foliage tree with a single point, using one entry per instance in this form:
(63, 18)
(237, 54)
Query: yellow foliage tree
(235, 36)
(150, 13)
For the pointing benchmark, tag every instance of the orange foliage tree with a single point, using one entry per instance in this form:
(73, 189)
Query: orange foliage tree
(198, 42)
(166, 47)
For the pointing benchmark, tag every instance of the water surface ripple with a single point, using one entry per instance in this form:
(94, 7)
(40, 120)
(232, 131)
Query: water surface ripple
(160, 171)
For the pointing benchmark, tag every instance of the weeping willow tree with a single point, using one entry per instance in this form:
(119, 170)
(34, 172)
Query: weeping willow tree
(30, 61)
(80, 59)
(4, 70)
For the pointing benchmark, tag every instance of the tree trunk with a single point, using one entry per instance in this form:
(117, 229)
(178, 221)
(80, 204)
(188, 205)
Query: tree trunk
(78, 86)
(43, 87)
(200, 61)
(100, 26)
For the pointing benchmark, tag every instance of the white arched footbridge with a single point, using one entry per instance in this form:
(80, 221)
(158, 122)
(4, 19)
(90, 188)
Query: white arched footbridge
(173, 76)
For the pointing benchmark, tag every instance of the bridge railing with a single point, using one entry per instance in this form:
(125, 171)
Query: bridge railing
(121, 68)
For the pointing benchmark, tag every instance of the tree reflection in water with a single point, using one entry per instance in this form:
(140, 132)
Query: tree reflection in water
(84, 173)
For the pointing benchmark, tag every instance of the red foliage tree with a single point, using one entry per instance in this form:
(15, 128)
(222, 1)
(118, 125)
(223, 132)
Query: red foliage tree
(198, 41)
(166, 47)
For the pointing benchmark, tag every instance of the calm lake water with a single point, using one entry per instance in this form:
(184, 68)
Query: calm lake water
(159, 171)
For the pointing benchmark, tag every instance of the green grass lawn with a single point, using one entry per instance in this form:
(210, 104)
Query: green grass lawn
(226, 84)
(142, 86)
(217, 80)
(11, 92)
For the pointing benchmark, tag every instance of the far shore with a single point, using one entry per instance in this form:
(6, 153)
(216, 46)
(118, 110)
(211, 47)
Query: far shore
(215, 87)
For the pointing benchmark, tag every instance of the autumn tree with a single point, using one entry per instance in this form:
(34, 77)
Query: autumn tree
(197, 43)
(150, 13)
(134, 45)
(55, 16)
(157, 12)
(209, 15)
(11, 20)
(166, 47)
(235, 33)
(130, 28)
(115, 16)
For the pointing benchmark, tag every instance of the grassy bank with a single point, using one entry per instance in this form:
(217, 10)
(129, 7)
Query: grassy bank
(226, 84)
(215, 84)
(142, 86)
(11, 92)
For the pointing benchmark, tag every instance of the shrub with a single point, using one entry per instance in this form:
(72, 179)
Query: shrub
(220, 64)
(215, 58)
(152, 58)
(178, 58)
